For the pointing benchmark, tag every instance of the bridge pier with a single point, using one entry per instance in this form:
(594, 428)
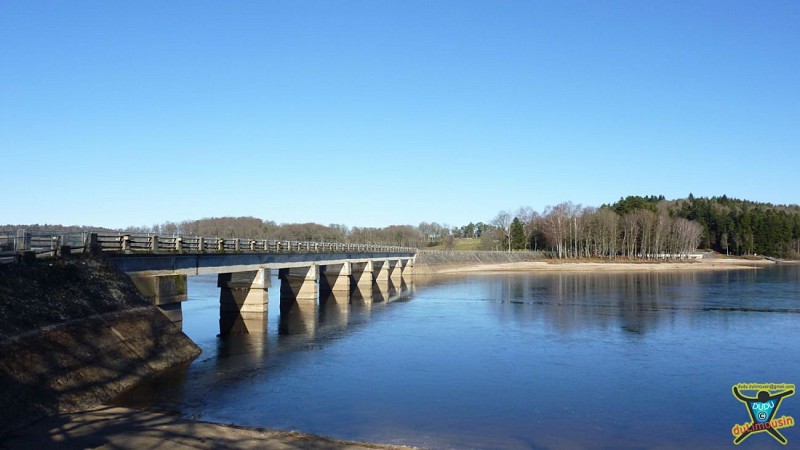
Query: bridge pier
(243, 302)
(380, 276)
(334, 292)
(165, 291)
(299, 284)
(361, 275)
(396, 271)
(299, 293)
(335, 279)
(408, 268)
(361, 282)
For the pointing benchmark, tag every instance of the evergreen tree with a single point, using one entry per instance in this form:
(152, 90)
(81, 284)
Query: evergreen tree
(518, 239)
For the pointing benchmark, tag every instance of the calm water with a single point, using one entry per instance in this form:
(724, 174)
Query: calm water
(642, 360)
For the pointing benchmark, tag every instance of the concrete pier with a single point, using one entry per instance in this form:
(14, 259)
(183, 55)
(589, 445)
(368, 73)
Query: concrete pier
(408, 268)
(380, 275)
(243, 302)
(299, 294)
(396, 271)
(361, 275)
(335, 278)
(165, 291)
(299, 284)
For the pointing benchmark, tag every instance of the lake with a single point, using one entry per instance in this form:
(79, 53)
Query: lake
(538, 360)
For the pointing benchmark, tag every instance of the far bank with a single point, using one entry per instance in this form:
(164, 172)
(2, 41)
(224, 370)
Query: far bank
(431, 262)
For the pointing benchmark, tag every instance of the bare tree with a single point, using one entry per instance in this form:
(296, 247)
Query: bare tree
(606, 231)
(556, 226)
(630, 234)
(503, 222)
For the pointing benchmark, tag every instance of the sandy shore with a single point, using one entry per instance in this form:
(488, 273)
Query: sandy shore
(121, 428)
(609, 266)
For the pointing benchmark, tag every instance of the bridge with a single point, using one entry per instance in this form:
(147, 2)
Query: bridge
(310, 273)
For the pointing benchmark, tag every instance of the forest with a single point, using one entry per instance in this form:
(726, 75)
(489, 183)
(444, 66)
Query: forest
(652, 227)
(648, 227)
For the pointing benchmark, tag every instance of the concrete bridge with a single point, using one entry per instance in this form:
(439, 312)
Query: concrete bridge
(310, 273)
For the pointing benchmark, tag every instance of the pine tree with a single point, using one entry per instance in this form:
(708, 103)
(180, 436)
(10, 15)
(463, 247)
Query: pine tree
(518, 239)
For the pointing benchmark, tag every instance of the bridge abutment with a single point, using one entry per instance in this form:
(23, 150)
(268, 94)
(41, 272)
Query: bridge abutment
(165, 291)
(243, 302)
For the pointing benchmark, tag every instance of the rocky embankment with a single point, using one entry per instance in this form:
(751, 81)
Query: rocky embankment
(430, 262)
(74, 334)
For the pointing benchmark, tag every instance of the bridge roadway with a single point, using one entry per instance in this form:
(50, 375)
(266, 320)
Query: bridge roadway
(311, 274)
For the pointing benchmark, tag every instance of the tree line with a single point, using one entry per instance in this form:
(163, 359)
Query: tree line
(633, 227)
(403, 235)
(650, 227)
(424, 235)
(567, 230)
(743, 227)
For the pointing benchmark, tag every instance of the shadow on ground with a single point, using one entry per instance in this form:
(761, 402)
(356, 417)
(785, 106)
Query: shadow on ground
(120, 428)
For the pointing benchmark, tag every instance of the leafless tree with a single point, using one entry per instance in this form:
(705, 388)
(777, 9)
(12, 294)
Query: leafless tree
(503, 222)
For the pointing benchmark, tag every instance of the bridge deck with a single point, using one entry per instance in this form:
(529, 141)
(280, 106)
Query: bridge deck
(199, 264)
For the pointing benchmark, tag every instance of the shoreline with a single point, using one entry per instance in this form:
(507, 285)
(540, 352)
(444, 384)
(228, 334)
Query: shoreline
(112, 427)
(604, 266)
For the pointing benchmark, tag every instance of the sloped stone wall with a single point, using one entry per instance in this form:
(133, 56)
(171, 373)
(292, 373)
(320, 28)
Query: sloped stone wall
(76, 334)
(431, 261)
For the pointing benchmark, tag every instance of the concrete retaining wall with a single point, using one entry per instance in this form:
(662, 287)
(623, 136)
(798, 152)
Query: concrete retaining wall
(431, 261)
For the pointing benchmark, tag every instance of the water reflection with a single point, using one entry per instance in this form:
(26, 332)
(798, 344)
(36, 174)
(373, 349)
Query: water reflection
(310, 318)
(634, 302)
(233, 323)
(505, 361)
(361, 296)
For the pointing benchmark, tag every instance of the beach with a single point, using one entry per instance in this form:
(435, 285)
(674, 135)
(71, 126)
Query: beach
(568, 265)
(109, 427)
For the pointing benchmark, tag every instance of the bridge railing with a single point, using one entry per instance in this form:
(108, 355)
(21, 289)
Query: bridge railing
(40, 242)
(141, 243)
(53, 243)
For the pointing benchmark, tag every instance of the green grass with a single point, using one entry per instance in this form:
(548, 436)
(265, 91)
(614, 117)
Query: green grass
(465, 244)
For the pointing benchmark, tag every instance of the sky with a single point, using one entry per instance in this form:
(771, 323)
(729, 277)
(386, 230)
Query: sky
(378, 112)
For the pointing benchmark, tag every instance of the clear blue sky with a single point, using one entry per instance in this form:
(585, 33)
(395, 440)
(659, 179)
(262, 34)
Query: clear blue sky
(372, 113)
